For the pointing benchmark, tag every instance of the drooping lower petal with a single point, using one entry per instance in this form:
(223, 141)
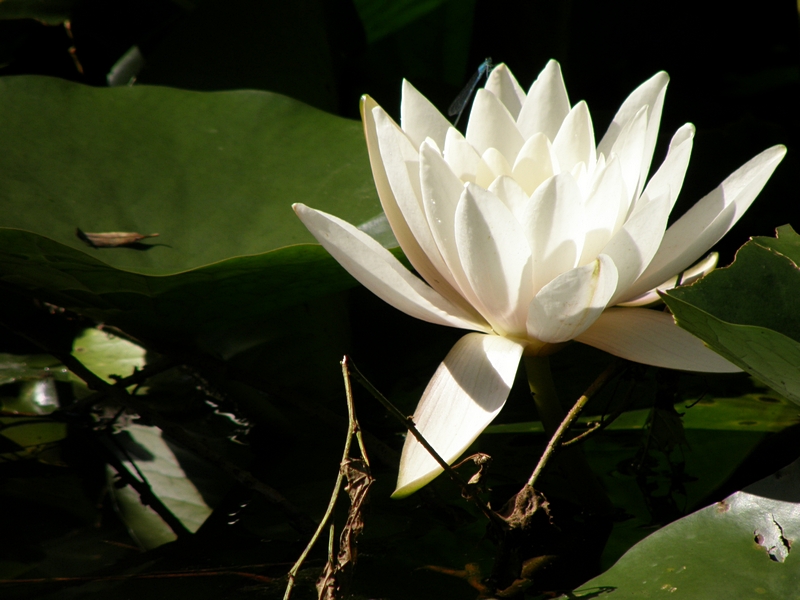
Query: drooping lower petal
(464, 395)
(651, 337)
(570, 303)
(706, 222)
(381, 273)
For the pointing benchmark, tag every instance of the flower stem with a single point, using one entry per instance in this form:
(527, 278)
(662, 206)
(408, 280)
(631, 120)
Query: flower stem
(571, 459)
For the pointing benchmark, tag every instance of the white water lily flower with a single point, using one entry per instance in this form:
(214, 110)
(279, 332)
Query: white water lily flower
(527, 232)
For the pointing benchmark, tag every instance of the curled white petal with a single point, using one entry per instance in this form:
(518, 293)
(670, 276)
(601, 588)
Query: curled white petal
(570, 303)
(651, 337)
(464, 395)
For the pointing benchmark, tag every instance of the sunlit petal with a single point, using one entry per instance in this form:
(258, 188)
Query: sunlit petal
(546, 105)
(492, 126)
(651, 94)
(706, 222)
(464, 395)
(512, 195)
(420, 119)
(634, 245)
(536, 162)
(574, 142)
(461, 156)
(553, 222)
(569, 304)
(381, 273)
(670, 175)
(496, 258)
(504, 85)
(651, 337)
(689, 276)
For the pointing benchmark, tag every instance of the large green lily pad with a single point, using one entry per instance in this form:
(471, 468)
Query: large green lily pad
(748, 311)
(737, 548)
(214, 174)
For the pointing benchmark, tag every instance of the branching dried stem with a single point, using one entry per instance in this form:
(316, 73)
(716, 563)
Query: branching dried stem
(555, 440)
(299, 520)
(353, 431)
(598, 427)
(467, 491)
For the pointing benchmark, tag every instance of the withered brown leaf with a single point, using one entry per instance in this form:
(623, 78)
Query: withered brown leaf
(112, 239)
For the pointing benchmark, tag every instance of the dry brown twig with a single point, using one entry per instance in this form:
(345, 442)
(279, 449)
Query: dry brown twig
(356, 471)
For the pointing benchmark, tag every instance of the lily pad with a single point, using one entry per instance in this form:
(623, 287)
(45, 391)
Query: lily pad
(214, 174)
(747, 312)
(737, 548)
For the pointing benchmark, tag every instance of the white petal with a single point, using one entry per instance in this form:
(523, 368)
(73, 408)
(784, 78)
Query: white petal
(688, 277)
(574, 142)
(633, 247)
(381, 273)
(400, 161)
(461, 156)
(496, 259)
(605, 208)
(512, 195)
(553, 221)
(546, 105)
(402, 232)
(569, 304)
(650, 93)
(706, 222)
(441, 192)
(491, 126)
(536, 162)
(629, 148)
(465, 394)
(651, 337)
(672, 171)
(493, 165)
(504, 85)
(420, 119)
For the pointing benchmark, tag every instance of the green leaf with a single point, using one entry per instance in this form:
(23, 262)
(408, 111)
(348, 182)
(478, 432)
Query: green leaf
(214, 174)
(747, 312)
(162, 465)
(737, 548)
(52, 12)
(105, 354)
